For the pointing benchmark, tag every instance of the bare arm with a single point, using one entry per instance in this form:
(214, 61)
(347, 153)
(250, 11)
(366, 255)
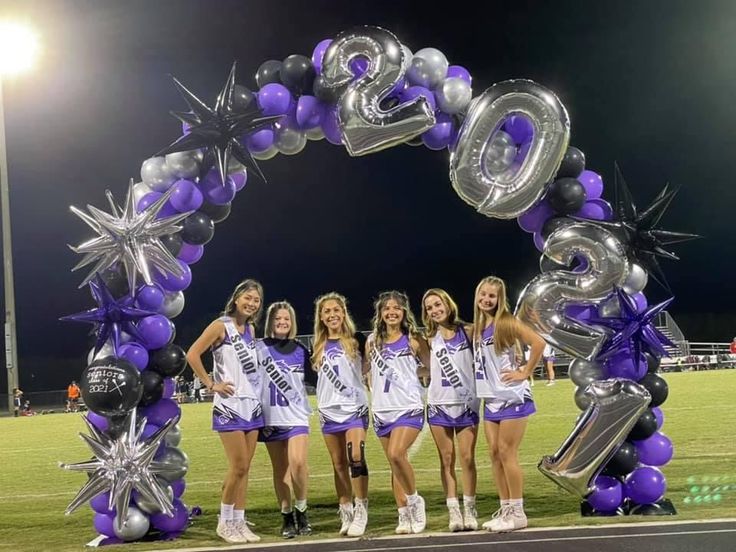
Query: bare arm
(214, 333)
(529, 337)
(367, 363)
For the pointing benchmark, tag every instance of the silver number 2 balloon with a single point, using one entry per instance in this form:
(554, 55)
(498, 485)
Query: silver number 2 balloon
(543, 301)
(366, 128)
(509, 193)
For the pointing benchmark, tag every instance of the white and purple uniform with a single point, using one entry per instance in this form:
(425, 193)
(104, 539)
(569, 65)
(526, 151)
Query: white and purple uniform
(284, 364)
(235, 360)
(341, 397)
(548, 354)
(503, 401)
(398, 396)
(451, 401)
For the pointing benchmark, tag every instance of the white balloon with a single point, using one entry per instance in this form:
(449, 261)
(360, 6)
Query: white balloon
(266, 155)
(139, 190)
(173, 304)
(157, 174)
(636, 280)
(315, 133)
(183, 164)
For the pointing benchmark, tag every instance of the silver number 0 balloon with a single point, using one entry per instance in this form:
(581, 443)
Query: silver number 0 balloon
(366, 128)
(509, 193)
(543, 301)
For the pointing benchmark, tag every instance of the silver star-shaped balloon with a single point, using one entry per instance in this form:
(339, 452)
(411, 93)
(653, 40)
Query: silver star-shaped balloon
(129, 237)
(122, 464)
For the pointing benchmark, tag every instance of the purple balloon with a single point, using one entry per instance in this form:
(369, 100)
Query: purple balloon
(331, 127)
(622, 365)
(641, 301)
(539, 241)
(189, 253)
(659, 416)
(213, 189)
(458, 71)
(150, 198)
(167, 524)
(185, 196)
(359, 65)
(169, 388)
(582, 265)
(172, 282)
(155, 330)
(656, 450)
(239, 179)
(150, 297)
(580, 312)
(161, 411)
(520, 128)
(178, 487)
(592, 211)
(319, 53)
(308, 112)
(533, 220)
(100, 502)
(415, 91)
(608, 494)
(135, 353)
(398, 88)
(645, 485)
(438, 137)
(100, 422)
(274, 99)
(151, 426)
(607, 209)
(592, 182)
(104, 524)
(260, 141)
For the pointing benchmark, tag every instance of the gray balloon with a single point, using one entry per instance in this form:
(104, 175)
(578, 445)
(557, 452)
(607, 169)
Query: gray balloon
(500, 153)
(510, 193)
(582, 401)
(289, 141)
(105, 351)
(136, 525)
(583, 372)
(637, 279)
(156, 174)
(428, 68)
(270, 153)
(315, 133)
(173, 304)
(139, 190)
(173, 437)
(151, 507)
(183, 164)
(172, 465)
(366, 127)
(407, 57)
(453, 95)
(610, 308)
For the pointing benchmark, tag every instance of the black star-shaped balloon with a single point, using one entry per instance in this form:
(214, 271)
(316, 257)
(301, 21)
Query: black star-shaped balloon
(634, 329)
(217, 129)
(638, 230)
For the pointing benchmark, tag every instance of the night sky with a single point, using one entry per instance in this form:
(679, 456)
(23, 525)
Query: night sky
(651, 85)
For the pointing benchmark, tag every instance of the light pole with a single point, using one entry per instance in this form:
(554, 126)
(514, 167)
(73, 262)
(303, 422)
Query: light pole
(18, 51)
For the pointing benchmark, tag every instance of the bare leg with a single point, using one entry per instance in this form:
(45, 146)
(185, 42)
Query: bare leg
(466, 439)
(338, 454)
(510, 433)
(356, 436)
(491, 430)
(277, 451)
(239, 456)
(443, 438)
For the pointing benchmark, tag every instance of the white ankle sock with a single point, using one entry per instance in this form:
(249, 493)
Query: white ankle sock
(412, 498)
(226, 511)
(301, 505)
(363, 501)
(453, 503)
(469, 501)
(404, 510)
(239, 515)
(517, 504)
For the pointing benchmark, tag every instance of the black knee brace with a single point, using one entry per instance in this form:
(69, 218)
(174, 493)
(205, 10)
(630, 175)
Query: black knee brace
(357, 467)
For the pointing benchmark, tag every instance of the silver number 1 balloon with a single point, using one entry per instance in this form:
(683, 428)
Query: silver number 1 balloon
(366, 128)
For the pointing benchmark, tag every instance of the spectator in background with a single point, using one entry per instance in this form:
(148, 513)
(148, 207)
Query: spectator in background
(549, 363)
(733, 346)
(17, 401)
(197, 386)
(72, 395)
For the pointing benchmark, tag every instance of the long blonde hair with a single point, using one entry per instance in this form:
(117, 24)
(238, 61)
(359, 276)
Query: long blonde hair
(408, 322)
(347, 330)
(504, 323)
(244, 286)
(273, 308)
(453, 318)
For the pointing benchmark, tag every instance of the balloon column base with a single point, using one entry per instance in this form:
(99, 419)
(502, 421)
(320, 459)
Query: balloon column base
(662, 508)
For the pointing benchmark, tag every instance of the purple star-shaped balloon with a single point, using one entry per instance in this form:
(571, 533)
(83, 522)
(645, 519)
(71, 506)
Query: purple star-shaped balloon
(633, 329)
(111, 316)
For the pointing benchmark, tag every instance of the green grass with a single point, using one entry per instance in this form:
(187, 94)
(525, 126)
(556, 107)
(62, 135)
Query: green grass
(699, 418)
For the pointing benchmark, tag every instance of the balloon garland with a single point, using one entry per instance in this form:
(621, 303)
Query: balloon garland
(509, 158)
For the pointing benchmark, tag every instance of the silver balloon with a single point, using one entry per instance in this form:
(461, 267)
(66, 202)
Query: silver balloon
(637, 279)
(134, 526)
(428, 68)
(543, 301)
(234, 166)
(615, 405)
(365, 126)
(510, 193)
(500, 153)
(314, 133)
(184, 164)
(139, 190)
(582, 372)
(453, 95)
(173, 304)
(582, 400)
(610, 308)
(173, 438)
(150, 506)
(270, 153)
(407, 57)
(157, 174)
(105, 351)
(289, 141)
(172, 465)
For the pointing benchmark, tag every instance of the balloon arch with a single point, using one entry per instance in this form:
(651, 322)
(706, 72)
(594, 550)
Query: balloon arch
(509, 158)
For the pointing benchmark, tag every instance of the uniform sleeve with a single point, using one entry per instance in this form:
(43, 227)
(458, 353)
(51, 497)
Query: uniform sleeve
(310, 376)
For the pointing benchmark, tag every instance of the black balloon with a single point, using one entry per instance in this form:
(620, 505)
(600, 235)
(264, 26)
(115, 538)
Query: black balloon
(153, 387)
(298, 74)
(652, 363)
(553, 224)
(623, 462)
(566, 195)
(268, 72)
(572, 164)
(197, 228)
(116, 282)
(217, 213)
(172, 242)
(657, 388)
(111, 386)
(644, 427)
(324, 93)
(168, 361)
(242, 99)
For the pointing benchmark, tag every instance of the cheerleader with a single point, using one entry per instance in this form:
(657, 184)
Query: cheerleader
(452, 407)
(285, 365)
(504, 385)
(343, 408)
(237, 414)
(398, 357)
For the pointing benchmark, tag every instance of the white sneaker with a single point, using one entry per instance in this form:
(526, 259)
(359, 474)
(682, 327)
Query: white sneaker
(404, 526)
(456, 519)
(470, 518)
(346, 512)
(242, 527)
(495, 518)
(360, 520)
(418, 515)
(550, 382)
(513, 519)
(228, 531)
